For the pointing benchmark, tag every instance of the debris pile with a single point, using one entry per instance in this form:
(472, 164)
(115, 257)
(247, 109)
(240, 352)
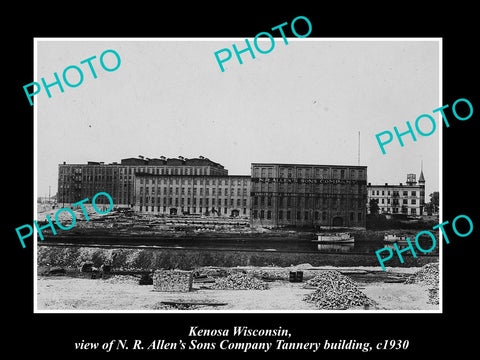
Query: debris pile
(334, 291)
(163, 306)
(122, 279)
(427, 276)
(239, 281)
(433, 296)
(172, 280)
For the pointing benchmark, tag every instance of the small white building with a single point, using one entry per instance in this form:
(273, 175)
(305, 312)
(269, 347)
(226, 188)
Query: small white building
(407, 199)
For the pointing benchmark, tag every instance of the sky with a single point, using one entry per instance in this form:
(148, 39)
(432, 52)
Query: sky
(304, 102)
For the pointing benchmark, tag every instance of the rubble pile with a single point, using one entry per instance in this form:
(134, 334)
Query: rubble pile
(334, 291)
(122, 279)
(433, 296)
(427, 276)
(239, 281)
(172, 280)
(162, 306)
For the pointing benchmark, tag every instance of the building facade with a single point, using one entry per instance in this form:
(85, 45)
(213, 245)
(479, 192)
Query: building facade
(407, 199)
(79, 181)
(308, 195)
(211, 195)
(274, 195)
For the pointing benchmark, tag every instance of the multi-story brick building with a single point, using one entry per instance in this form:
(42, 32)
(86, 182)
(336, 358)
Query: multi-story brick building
(79, 181)
(407, 199)
(216, 195)
(273, 195)
(309, 195)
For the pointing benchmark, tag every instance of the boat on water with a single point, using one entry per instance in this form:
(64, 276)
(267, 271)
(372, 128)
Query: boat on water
(337, 238)
(393, 238)
(335, 247)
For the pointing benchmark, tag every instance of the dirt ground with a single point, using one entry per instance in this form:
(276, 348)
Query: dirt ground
(125, 294)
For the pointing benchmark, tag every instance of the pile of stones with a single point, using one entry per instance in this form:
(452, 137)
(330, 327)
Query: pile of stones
(161, 306)
(427, 276)
(239, 281)
(172, 280)
(334, 291)
(122, 279)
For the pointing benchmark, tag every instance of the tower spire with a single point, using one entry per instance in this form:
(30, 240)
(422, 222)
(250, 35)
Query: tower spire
(421, 179)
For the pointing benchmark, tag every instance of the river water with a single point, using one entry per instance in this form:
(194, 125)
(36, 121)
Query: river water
(242, 244)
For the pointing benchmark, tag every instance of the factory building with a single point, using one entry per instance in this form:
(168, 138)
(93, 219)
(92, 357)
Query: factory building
(274, 195)
(407, 199)
(79, 181)
(210, 195)
(308, 195)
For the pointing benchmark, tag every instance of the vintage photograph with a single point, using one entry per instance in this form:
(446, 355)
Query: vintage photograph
(164, 184)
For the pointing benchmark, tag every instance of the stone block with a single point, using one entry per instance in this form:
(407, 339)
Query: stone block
(172, 280)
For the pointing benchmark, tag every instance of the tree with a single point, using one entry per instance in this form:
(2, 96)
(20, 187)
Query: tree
(373, 206)
(432, 206)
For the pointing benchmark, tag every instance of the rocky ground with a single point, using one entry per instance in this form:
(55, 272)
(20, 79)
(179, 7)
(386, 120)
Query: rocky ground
(334, 291)
(239, 289)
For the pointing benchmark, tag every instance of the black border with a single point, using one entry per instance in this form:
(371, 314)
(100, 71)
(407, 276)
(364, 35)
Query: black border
(429, 334)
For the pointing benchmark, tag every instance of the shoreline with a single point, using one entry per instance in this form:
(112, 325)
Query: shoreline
(147, 258)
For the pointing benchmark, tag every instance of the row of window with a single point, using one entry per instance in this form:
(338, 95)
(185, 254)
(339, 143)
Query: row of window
(176, 181)
(306, 202)
(175, 170)
(396, 202)
(86, 188)
(189, 191)
(258, 172)
(195, 181)
(188, 210)
(91, 178)
(319, 188)
(317, 172)
(305, 215)
(92, 169)
(394, 193)
(403, 210)
(190, 201)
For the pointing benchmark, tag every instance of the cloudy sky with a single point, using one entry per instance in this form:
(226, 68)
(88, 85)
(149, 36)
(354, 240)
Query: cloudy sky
(304, 102)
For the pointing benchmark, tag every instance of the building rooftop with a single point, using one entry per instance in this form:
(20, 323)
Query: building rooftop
(337, 166)
(394, 185)
(144, 174)
(179, 161)
(161, 161)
